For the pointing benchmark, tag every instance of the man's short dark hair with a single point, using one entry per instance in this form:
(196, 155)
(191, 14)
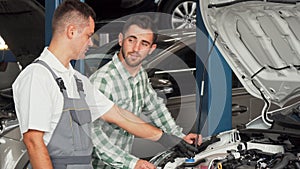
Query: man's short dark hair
(71, 8)
(142, 21)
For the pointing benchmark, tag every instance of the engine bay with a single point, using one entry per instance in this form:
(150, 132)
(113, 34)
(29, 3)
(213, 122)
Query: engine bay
(252, 147)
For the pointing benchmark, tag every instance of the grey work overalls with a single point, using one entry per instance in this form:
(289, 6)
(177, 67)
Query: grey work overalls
(71, 145)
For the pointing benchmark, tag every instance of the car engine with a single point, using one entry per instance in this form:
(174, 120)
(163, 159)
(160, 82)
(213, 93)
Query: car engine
(277, 147)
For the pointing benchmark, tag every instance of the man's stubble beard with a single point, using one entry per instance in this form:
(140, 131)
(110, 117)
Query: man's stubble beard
(127, 60)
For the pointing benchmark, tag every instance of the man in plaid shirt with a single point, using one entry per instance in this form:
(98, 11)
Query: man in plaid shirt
(124, 81)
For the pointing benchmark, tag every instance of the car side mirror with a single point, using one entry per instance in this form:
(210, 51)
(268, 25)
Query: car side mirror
(163, 86)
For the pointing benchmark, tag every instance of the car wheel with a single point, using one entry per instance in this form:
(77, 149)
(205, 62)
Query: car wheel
(182, 14)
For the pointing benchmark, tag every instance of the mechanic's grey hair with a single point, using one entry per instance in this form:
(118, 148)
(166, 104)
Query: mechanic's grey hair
(142, 21)
(71, 11)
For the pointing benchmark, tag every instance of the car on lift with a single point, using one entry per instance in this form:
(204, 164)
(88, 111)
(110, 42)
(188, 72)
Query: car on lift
(175, 14)
(181, 13)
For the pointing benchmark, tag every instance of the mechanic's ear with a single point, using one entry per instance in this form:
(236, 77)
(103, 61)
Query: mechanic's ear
(120, 39)
(153, 47)
(71, 30)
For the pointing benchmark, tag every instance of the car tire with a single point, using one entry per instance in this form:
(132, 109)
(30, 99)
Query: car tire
(182, 14)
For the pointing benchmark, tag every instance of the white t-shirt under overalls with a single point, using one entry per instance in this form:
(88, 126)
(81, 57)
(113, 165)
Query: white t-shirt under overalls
(38, 99)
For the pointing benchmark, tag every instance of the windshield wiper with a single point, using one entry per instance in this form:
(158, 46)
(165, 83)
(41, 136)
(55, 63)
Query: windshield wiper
(217, 4)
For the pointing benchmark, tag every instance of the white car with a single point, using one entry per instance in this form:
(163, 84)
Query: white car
(260, 40)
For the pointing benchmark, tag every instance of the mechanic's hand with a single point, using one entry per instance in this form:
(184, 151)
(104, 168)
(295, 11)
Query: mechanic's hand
(182, 148)
(191, 138)
(143, 164)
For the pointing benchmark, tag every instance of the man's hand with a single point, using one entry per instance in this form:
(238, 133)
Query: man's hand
(142, 164)
(181, 147)
(191, 138)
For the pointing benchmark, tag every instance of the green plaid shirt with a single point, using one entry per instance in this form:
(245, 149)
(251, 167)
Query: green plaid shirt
(134, 94)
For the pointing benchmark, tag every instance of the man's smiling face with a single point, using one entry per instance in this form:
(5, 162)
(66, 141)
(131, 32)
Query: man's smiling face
(136, 44)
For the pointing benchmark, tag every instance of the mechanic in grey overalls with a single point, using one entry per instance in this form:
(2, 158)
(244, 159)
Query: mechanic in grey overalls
(71, 145)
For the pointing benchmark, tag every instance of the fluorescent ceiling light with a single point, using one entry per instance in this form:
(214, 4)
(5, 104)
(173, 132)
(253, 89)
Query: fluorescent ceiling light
(3, 46)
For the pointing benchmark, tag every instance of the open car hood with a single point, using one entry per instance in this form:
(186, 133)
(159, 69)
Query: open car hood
(261, 43)
(23, 28)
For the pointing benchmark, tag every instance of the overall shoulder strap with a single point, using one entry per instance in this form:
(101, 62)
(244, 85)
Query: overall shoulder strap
(58, 80)
(79, 83)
